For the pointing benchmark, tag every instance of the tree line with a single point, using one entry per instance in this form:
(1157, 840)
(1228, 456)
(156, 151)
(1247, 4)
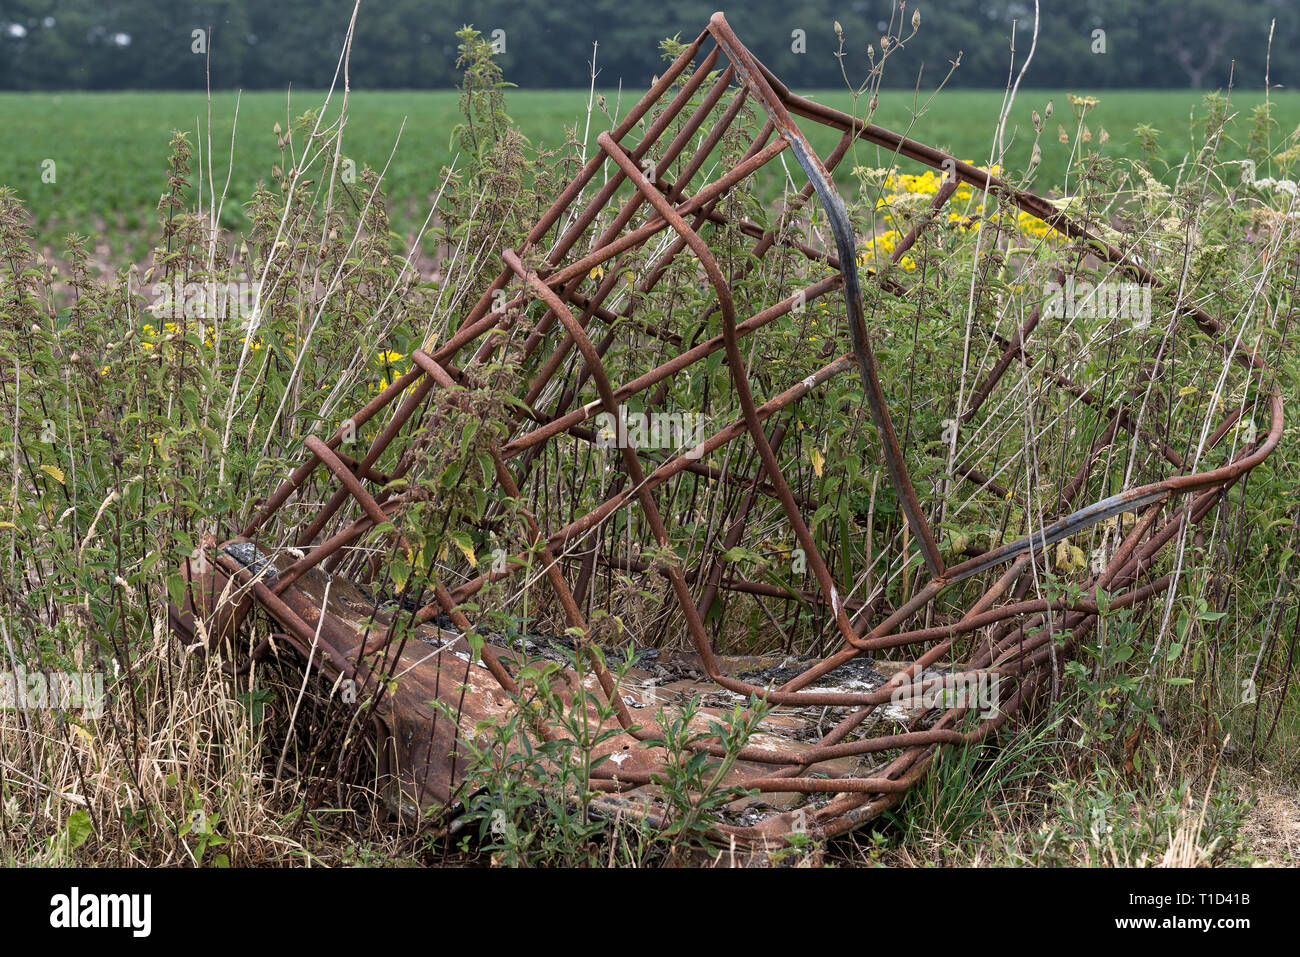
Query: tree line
(254, 44)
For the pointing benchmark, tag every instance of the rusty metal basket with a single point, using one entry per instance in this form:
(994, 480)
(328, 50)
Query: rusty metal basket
(832, 754)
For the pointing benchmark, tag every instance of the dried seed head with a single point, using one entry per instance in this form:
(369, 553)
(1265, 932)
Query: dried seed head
(839, 30)
(1061, 135)
(1047, 113)
(874, 101)
(1038, 122)
(884, 44)
(916, 20)
(278, 128)
(1036, 157)
(1104, 136)
(871, 52)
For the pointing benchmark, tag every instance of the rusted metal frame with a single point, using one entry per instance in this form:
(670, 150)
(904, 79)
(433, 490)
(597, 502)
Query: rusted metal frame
(928, 658)
(881, 632)
(656, 274)
(927, 155)
(701, 156)
(842, 229)
(916, 742)
(1141, 559)
(631, 463)
(793, 763)
(431, 373)
(766, 238)
(1127, 562)
(558, 355)
(665, 260)
(657, 270)
(303, 633)
(611, 186)
(740, 381)
(644, 733)
(748, 586)
(1130, 560)
(302, 472)
(1001, 613)
(848, 809)
(572, 613)
(672, 367)
(769, 237)
(590, 304)
(401, 417)
(346, 477)
(862, 785)
(582, 223)
(880, 636)
(447, 377)
(479, 319)
(1008, 635)
(480, 311)
(672, 467)
(704, 471)
(1127, 501)
(479, 315)
(369, 474)
(304, 636)
(643, 494)
(318, 554)
(905, 676)
(638, 236)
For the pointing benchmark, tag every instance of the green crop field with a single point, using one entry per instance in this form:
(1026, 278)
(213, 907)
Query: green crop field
(109, 149)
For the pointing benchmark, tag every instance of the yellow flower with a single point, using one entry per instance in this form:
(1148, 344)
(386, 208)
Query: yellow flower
(387, 358)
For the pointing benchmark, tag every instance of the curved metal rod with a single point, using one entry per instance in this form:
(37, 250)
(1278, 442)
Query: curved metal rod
(842, 228)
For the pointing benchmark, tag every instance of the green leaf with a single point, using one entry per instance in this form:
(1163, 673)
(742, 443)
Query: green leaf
(176, 588)
(77, 830)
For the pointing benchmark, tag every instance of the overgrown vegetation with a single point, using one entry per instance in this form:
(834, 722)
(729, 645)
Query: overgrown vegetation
(138, 434)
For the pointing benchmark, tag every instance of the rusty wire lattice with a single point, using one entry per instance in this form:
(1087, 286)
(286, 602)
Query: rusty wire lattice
(332, 623)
